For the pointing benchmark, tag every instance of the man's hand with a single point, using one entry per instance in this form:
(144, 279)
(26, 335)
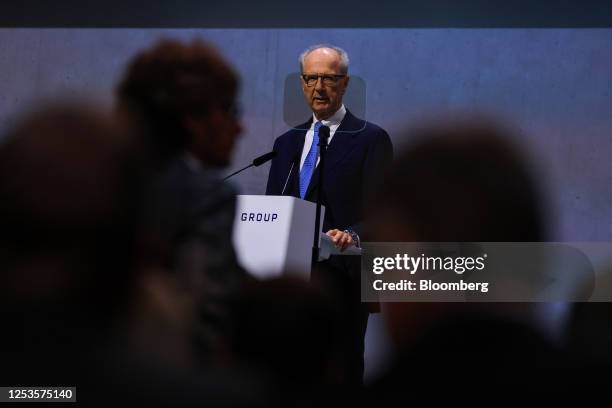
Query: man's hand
(342, 240)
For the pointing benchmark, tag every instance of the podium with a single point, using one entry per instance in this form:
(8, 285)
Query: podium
(273, 234)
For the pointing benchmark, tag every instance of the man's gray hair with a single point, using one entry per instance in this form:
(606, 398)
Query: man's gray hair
(344, 59)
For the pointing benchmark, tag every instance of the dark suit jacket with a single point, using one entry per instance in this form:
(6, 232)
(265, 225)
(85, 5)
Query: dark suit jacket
(357, 155)
(191, 213)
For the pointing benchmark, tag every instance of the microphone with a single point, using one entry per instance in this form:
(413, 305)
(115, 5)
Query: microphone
(258, 161)
(264, 158)
(296, 158)
(323, 136)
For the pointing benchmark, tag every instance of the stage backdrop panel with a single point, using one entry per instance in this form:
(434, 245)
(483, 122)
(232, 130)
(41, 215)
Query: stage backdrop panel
(554, 85)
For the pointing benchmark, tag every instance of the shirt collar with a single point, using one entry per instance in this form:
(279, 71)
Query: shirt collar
(334, 120)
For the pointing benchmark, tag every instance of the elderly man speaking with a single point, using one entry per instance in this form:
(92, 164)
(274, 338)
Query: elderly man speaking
(358, 154)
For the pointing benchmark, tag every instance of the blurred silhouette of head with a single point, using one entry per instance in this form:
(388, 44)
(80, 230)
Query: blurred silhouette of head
(184, 96)
(70, 191)
(458, 182)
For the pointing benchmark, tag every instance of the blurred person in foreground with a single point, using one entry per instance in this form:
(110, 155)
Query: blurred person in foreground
(83, 302)
(183, 97)
(71, 188)
(287, 331)
(462, 181)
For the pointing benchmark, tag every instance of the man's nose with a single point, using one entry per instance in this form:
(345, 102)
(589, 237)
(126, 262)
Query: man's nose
(319, 85)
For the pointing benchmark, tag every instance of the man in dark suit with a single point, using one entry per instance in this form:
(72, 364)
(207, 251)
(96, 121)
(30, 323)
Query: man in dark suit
(358, 154)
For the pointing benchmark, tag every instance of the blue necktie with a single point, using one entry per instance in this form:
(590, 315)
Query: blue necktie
(310, 162)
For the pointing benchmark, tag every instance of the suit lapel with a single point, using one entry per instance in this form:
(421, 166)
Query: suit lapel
(343, 142)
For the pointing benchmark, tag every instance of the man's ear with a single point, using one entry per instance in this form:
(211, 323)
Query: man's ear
(346, 83)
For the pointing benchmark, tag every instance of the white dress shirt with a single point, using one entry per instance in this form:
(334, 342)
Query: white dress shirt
(332, 122)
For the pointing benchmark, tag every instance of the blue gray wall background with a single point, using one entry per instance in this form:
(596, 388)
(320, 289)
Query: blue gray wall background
(553, 85)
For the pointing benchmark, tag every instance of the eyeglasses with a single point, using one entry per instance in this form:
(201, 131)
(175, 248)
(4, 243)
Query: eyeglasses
(327, 79)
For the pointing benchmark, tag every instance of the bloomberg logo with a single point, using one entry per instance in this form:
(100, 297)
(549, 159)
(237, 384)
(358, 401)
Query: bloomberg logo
(259, 217)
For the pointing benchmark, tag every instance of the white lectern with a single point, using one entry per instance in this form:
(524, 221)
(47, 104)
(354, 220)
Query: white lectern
(273, 234)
